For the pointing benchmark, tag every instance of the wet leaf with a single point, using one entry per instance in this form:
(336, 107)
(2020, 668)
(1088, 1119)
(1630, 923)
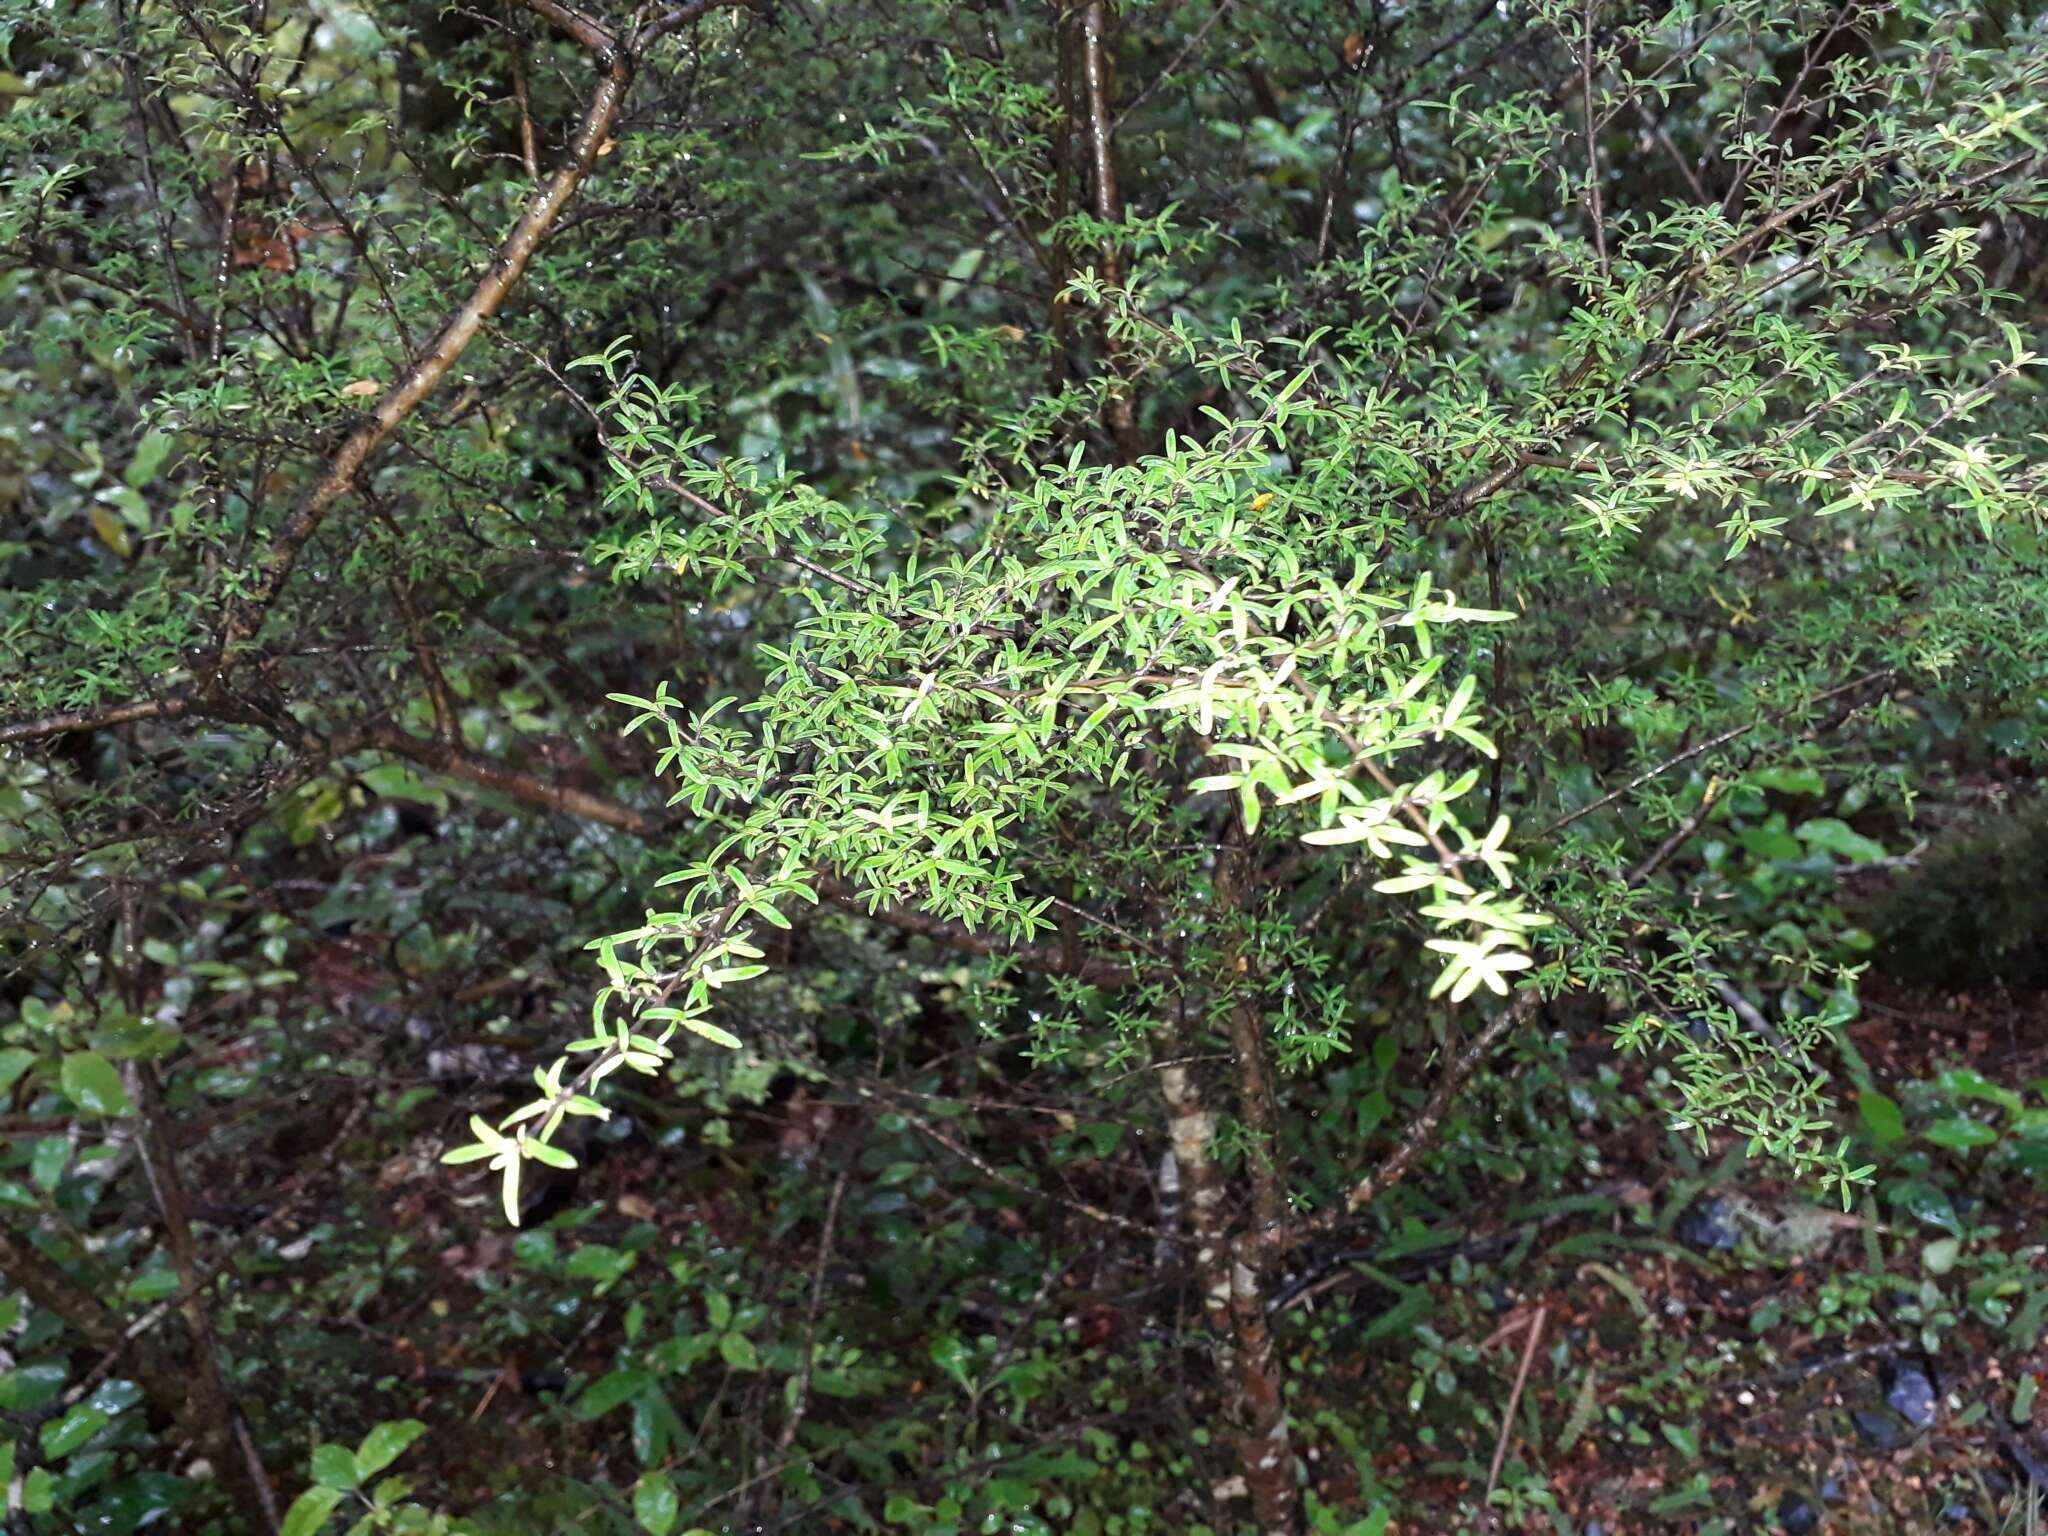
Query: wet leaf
(385, 1444)
(655, 1504)
(1960, 1132)
(334, 1466)
(62, 1436)
(90, 1082)
(309, 1511)
(1923, 1201)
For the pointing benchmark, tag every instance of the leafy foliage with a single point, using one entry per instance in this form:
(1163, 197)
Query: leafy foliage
(939, 615)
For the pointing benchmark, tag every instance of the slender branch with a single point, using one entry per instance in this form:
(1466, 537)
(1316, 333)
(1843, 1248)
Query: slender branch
(578, 26)
(1679, 836)
(46, 1284)
(166, 1382)
(43, 259)
(448, 757)
(503, 274)
(1595, 211)
(1794, 96)
(457, 762)
(681, 17)
(995, 1175)
(68, 721)
(439, 695)
(211, 1394)
(1420, 1134)
(1507, 1419)
(529, 151)
(790, 1425)
(1116, 411)
(1257, 1102)
(1882, 674)
(1048, 959)
(1223, 8)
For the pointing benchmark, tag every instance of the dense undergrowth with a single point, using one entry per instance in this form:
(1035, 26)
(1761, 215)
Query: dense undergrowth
(1132, 768)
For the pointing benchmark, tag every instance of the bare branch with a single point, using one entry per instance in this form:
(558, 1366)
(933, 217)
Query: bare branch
(1047, 959)
(1116, 411)
(68, 721)
(1420, 1134)
(1734, 733)
(507, 267)
(447, 757)
(575, 24)
(680, 17)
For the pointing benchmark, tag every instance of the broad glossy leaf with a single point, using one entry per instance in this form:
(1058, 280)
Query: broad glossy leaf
(90, 1081)
(655, 1504)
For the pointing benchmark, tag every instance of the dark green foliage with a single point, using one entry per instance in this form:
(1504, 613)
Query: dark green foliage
(1972, 910)
(1006, 705)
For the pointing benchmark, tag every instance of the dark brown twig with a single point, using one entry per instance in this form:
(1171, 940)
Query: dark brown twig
(1507, 1420)
(801, 1403)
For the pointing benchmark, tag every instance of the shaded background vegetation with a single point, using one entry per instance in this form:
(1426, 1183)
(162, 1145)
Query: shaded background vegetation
(313, 791)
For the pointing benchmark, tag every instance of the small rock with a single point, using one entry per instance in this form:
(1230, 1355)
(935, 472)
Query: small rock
(1909, 1389)
(1709, 1224)
(1831, 1491)
(1797, 1514)
(1957, 1514)
(1881, 1430)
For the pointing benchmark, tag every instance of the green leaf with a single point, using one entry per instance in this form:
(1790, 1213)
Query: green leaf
(1968, 1083)
(599, 1262)
(546, 1152)
(655, 1504)
(1372, 1109)
(334, 1466)
(712, 1032)
(611, 1391)
(1923, 1201)
(2023, 1399)
(1831, 836)
(397, 781)
(52, 1155)
(1960, 1132)
(1684, 1440)
(90, 1081)
(309, 1511)
(953, 1357)
(13, 1062)
(1881, 1117)
(738, 1351)
(901, 1509)
(385, 1444)
(1939, 1256)
(63, 1435)
(149, 457)
(1790, 781)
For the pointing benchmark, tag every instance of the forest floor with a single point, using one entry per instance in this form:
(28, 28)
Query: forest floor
(1739, 1358)
(1676, 1344)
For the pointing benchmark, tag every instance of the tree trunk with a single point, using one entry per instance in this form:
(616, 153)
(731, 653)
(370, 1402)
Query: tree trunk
(1230, 1273)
